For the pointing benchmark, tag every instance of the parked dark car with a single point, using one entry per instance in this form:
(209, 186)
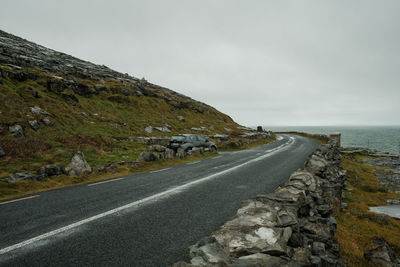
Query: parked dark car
(189, 141)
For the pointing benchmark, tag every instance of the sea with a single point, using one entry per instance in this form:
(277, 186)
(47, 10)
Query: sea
(381, 138)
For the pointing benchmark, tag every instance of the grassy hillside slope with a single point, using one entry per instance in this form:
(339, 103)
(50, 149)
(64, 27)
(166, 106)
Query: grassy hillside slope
(108, 134)
(92, 109)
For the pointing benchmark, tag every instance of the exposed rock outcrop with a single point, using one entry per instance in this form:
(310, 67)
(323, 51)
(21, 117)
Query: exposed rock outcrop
(382, 255)
(66, 71)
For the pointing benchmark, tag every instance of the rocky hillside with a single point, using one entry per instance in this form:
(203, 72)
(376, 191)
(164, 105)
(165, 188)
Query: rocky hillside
(53, 105)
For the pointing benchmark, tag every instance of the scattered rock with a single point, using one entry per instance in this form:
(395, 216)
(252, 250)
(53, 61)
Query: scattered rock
(181, 118)
(208, 251)
(163, 129)
(34, 125)
(36, 110)
(197, 151)
(383, 255)
(70, 98)
(17, 131)
(197, 129)
(169, 153)
(51, 170)
(221, 137)
(158, 148)
(2, 153)
(15, 177)
(317, 164)
(228, 130)
(147, 156)
(84, 114)
(259, 259)
(180, 153)
(318, 248)
(389, 201)
(47, 121)
(148, 129)
(100, 87)
(78, 165)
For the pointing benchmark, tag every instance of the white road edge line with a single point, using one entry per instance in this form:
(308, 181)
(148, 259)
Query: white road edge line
(194, 162)
(103, 182)
(142, 201)
(161, 170)
(18, 199)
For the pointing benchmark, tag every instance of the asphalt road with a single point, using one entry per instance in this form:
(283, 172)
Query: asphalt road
(146, 219)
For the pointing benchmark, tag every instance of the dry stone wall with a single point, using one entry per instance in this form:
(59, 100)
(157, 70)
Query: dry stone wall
(293, 226)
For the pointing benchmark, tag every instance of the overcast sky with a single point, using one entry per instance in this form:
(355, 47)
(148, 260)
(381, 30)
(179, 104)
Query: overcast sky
(261, 62)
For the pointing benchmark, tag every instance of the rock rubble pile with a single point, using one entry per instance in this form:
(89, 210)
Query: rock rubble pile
(293, 226)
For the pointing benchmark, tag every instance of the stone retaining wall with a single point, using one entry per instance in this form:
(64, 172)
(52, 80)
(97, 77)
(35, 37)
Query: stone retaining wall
(293, 226)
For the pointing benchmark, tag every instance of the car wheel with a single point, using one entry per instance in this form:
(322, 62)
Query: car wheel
(213, 149)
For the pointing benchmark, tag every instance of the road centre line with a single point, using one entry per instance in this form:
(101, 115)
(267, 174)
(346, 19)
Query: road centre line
(103, 182)
(19, 199)
(160, 170)
(142, 201)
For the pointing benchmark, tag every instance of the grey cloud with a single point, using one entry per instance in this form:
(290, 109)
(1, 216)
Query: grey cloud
(262, 62)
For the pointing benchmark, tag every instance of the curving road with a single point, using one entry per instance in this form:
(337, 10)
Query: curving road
(146, 219)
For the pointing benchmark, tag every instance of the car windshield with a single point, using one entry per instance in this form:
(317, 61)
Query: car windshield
(178, 138)
(201, 138)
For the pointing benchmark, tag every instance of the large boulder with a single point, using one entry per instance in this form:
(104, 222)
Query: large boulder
(253, 213)
(78, 165)
(17, 131)
(249, 240)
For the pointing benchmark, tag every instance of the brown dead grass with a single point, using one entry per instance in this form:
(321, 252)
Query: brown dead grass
(357, 227)
(23, 147)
